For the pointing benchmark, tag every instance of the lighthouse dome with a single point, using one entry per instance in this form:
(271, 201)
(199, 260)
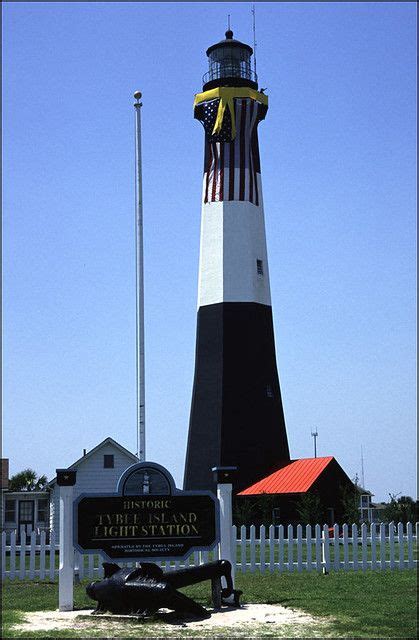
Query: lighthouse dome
(229, 64)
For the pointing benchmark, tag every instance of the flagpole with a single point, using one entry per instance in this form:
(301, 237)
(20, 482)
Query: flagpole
(139, 259)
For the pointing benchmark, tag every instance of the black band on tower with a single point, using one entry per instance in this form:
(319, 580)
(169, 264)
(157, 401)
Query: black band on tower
(237, 417)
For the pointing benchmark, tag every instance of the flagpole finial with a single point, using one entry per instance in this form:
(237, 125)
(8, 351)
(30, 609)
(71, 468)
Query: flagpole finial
(138, 95)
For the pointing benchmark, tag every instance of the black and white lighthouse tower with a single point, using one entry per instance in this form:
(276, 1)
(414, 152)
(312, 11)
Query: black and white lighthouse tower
(236, 416)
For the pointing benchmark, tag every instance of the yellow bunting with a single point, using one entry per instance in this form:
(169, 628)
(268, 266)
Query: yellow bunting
(226, 96)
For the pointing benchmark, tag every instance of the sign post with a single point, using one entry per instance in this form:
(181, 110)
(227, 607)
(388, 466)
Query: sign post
(66, 479)
(223, 476)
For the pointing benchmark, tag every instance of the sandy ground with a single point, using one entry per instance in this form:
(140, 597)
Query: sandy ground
(248, 615)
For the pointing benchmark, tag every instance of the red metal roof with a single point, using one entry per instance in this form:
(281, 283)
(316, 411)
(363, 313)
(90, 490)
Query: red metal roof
(296, 477)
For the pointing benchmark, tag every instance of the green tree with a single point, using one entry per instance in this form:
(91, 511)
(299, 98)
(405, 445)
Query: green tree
(244, 511)
(350, 505)
(309, 509)
(400, 509)
(27, 480)
(254, 510)
(266, 504)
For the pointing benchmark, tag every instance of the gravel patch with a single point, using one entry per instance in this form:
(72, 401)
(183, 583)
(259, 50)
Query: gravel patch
(248, 618)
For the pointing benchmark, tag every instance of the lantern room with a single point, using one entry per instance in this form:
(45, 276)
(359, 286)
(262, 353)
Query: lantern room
(229, 65)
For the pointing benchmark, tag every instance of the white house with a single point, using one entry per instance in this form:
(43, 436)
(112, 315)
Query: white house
(25, 508)
(98, 471)
(22, 508)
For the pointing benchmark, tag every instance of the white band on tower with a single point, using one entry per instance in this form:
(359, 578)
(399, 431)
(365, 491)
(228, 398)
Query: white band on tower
(233, 264)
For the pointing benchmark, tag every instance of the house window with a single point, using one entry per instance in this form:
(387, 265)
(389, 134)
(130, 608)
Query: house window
(259, 267)
(10, 511)
(43, 514)
(26, 511)
(108, 461)
(269, 391)
(365, 501)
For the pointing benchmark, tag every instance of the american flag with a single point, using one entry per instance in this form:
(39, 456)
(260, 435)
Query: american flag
(232, 167)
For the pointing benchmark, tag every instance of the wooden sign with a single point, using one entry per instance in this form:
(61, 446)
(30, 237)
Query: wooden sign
(171, 524)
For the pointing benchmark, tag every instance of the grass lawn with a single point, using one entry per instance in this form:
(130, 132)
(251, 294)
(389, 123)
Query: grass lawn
(368, 605)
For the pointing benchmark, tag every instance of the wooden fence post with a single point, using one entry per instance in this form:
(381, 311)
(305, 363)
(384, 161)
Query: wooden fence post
(252, 540)
(299, 548)
(391, 528)
(262, 535)
(373, 534)
(271, 548)
(354, 547)
(319, 546)
(309, 549)
(400, 539)
(13, 555)
(223, 477)
(409, 533)
(243, 546)
(325, 550)
(364, 539)
(336, 548)
(42, 543)
(32, 555)
(281, 547)
(66, 479)
(52, 556)
(382, 546)
(22, 551)
(3, 555)
(290, 533)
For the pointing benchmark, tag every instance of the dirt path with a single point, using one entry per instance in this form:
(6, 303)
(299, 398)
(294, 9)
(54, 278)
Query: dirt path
(251, 620)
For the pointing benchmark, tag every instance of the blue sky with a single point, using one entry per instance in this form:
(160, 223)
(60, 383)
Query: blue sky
(339, 171)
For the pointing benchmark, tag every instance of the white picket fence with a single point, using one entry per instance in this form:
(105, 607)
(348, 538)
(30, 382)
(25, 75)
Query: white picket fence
(274, 549)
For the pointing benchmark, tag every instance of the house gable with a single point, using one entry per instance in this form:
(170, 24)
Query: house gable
(91, 459)
(92, 475)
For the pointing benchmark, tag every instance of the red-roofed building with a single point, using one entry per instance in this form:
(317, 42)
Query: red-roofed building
(283, 489)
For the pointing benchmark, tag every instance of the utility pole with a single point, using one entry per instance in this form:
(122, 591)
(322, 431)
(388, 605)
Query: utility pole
(315, 434)
(139, 289)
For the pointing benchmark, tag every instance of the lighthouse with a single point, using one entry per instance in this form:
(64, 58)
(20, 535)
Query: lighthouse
(236, 418)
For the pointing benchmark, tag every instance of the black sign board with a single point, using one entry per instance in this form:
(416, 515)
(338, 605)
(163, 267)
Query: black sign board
(66, 477)
(137, 523)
